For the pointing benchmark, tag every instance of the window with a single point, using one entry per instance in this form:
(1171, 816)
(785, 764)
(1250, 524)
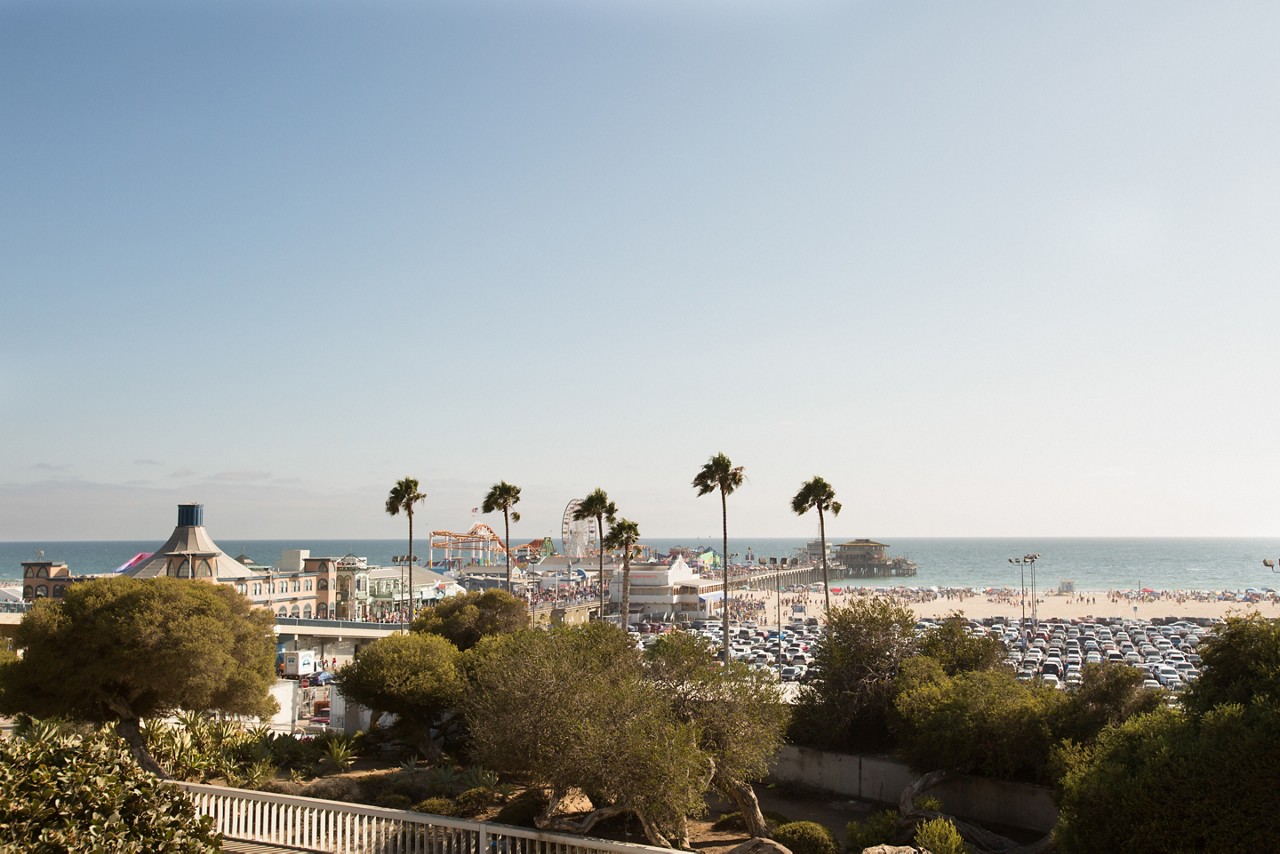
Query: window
(306, 611)
(293, 612)
(322, 611)
(57, 591)
(42, 590)
(296, 586)
(184, 569)
(26, 591)
(324, 584)
(257, 588)
(42, 572)
(203, 569)
(306, 585)
(284, 612)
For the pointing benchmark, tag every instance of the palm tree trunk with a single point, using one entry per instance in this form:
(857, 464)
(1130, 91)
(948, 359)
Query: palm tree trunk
(600, 575)
(626, 587)
(826, 582)
(506, 524)
(411, 599)
(724, 557)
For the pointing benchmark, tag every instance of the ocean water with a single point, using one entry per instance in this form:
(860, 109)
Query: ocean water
(1092, 564)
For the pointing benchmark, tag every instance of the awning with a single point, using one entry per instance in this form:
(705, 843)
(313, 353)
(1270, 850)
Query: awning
(711, 597)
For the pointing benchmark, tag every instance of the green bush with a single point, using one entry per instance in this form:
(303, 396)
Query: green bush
(394, 801)
(940, 837)
(472, 802)
(805, 837)
(876, 829)
(335, 789)
(436, 806)
(72, 793)
(522, 809)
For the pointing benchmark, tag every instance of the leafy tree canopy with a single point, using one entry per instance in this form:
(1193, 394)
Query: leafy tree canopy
(67, 792)
(958, 651)
(464, 620)
(413, 676)
(571, 708)
(122, 649)
(1240, 664)
(850, 705)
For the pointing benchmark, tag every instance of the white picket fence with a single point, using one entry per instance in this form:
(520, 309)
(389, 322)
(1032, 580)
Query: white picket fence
(312, 824)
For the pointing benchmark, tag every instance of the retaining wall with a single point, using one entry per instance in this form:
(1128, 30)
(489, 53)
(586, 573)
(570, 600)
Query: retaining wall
(882, 779)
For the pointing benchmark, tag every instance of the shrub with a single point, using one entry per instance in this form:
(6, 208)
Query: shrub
(335, 789)
(74, 793)
(283, 787)
(522, 809)
(940, 837)
(805, 837)
(393, 801)
(876, 829)
(436, 806)
(472, 802)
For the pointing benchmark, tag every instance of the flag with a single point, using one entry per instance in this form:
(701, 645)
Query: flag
(475, 510)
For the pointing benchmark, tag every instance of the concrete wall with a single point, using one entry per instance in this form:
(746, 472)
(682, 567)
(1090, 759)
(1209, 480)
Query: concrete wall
(882, 779)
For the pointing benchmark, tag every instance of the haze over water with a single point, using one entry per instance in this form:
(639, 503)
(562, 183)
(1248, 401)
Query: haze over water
(1092, 563)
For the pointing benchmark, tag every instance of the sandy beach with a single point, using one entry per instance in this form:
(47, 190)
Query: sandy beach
(762, 604)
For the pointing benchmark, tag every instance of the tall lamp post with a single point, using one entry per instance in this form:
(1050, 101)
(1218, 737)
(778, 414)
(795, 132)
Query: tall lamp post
(1023, 595)
(405, 562)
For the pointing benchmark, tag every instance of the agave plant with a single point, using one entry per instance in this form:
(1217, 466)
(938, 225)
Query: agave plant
(35, 730)
(476, 777)
(341, 752)
(442, 779)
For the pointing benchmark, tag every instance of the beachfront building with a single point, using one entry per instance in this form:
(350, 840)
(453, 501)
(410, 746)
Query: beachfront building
(673, 592)
(299, 585)
(868, 559)
(46, 579)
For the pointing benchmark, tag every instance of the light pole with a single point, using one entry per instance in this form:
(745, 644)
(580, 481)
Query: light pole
(1023, 596)
(1035, 610)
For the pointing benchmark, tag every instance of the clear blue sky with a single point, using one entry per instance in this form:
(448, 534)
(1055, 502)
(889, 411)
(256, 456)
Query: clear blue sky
(989, 268)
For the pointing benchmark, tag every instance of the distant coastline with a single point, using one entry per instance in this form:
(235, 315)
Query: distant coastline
(1092, 564)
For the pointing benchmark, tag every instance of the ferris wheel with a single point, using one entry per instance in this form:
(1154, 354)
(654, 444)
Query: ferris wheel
(579, 535)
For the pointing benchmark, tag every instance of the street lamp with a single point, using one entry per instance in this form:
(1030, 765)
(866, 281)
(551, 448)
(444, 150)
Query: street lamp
(1023, 562)
(1023, 597)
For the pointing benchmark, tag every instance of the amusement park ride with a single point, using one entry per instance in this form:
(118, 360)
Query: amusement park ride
(580, 536)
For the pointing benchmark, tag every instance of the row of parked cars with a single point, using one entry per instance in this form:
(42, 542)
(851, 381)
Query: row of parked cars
(788, 655)
(1055, 652)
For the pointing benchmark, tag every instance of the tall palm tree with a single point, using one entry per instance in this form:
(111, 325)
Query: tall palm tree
(623, 534)
(403, 496)
(598, 506)
(503, 496)
(818, 495)
(721, 474)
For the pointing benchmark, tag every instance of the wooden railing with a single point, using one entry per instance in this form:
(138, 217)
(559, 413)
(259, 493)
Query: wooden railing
(311, 824)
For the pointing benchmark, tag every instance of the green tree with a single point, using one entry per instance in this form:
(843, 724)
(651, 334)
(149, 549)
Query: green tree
(957, 651)
(117, 650)
(598, 506)
(404, 495)
(1167, 781)
(1108, 694)
(981, 722)
(463, 620)
(624, 536)
(817, 494)
(415, 677)
(503, 496)
(719, 473)
(1240, 664)
(67, 792)
(850, 705)
(570, 708)
(739, 712)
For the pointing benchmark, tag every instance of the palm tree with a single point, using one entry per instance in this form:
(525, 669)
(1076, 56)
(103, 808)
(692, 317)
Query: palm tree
(503, 496)
(403, 496)
(623, 534)
(720, 473)
(598, 506)
(818, 495)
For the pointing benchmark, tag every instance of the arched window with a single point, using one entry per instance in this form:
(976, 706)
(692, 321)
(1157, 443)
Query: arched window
(257, 588)
(306, 611)
(306, 585)
(57, 591)
(42, 572)
(323, 584)
(203, 569)
(283, 612)
(26, 591)
(42, 590)
(293, 612)
(296, 585)
(184, 569)
(322, 611)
